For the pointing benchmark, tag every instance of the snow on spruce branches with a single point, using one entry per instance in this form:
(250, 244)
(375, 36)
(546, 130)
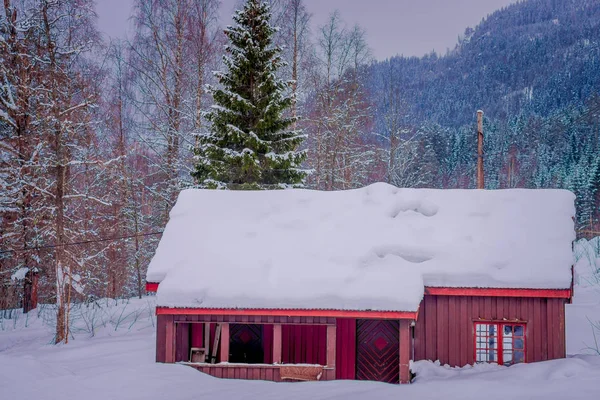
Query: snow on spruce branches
(251, 143)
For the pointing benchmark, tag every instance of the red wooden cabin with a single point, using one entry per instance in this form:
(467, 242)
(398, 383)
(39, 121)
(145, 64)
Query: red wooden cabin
(214, 319)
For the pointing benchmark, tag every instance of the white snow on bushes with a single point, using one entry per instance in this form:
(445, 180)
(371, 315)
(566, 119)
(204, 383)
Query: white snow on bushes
(583, 316)
(118, 363)
(373, 248)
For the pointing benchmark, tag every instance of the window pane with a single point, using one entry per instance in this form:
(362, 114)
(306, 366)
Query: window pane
(519, 356)
(519, 330)
(508, 329)
(508, 356)
(518, 344)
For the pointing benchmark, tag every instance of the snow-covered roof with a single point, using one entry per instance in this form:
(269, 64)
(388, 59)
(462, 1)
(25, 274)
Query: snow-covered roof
(374, 248)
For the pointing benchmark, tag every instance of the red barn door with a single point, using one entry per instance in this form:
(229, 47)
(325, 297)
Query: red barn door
(377, 350)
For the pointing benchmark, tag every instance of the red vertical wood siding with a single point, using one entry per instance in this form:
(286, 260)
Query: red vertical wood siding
(304, 344)
(170, 339)
(268, 343)
(182, 342)
(161, 338)
(345, 363)
(197, 335)
(444, 330)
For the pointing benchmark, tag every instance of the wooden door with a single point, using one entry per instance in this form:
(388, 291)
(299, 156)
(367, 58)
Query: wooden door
(246, 343)
(377, 350)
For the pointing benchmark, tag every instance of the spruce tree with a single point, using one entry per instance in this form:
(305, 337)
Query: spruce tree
(250, 144)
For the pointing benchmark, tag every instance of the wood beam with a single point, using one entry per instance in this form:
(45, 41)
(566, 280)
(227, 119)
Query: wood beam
(277, 343)
(331, 344)
(289, 313)
(497, 292)
(224, 342)
(170, 340)
(206, 338)
(405, 347)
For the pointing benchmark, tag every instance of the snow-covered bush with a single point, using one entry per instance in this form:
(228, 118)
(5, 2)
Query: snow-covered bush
(587, 280)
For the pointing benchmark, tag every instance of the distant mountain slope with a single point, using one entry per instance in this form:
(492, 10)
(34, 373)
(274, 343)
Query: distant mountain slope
(532, 57)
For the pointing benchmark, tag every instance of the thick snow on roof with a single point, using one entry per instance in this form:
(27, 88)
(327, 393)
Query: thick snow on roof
(373, 248)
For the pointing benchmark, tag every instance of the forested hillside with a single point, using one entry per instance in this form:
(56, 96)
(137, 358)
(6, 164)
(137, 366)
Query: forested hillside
(534, 68)
(533, 57)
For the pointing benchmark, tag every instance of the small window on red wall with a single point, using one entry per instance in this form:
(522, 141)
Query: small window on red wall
(502, 343)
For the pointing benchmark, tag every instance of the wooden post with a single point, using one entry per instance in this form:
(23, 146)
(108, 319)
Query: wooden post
(405, 343)
(277, 343)
(480, 175)
(207, 340)
(331, 343)
(224, 343)
(170, 339)
(161, 338)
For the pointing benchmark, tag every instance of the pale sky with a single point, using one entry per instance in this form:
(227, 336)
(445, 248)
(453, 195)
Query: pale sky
(407, 27)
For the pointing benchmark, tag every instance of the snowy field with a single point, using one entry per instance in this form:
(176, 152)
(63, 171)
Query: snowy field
(111, 356)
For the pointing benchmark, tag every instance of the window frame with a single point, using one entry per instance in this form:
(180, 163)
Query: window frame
(500, 339)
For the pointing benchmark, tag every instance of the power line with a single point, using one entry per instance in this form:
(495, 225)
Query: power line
(81, 242)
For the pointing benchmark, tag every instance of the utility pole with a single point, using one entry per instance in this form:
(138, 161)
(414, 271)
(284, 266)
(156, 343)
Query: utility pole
(480, 175)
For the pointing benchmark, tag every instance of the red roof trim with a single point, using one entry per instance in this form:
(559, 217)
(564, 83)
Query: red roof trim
(288, 313)
(493, 292)
(151, 286)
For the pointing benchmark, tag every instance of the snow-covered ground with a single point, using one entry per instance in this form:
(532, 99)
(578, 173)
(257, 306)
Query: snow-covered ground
(117, 362)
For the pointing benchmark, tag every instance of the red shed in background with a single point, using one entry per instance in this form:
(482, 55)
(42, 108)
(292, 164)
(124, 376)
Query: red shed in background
(356, 284)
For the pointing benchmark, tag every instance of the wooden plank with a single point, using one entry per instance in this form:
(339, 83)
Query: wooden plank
(170, 340)
(527, 310)
(404, 343)
(464, 334)
(491, 292)
(243, 373)
(206, 326)
(487, 308)
(430, 328)
(499, 312)
(548, 327)
(269, 374)
(469, 331)
(537, 330)
(161, 338)
(276, 375)
(442, 329)
(331, 341)
(215, 347)
(419, 341)
(255, 374)
(224, 342)
(453, 332)
(277, 344)
(182, 342)
(560, 330)
(296, 340)
(512, 308)
(476, 310)
(323, 315)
